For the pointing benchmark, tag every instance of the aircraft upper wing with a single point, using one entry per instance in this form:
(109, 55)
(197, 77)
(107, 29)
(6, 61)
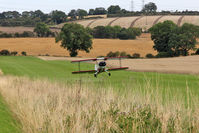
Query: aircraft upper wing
(86, 60)
(119, 68)
(79, 72)
(115, 58)
(102, 58)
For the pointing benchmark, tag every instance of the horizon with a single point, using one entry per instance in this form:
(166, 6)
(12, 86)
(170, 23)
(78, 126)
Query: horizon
(20, 6)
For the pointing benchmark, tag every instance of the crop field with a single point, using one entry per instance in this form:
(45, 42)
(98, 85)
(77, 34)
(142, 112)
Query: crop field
(46, 97)
(42, 46)
(144, 22)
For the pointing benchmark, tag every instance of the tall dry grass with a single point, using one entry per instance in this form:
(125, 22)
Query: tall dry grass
(42, 106)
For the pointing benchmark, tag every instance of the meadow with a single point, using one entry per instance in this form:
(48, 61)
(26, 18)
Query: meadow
(46, 97)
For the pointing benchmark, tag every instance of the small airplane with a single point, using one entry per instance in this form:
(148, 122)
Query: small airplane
(100, 66)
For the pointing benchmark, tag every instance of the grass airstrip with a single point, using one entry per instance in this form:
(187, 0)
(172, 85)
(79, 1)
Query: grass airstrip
(184, 88)
(61, 71)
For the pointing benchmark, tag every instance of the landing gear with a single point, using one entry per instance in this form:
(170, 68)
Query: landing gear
(95, 75)
(109, 74)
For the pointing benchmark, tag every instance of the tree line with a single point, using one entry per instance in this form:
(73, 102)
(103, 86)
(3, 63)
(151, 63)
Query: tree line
(114, 32)
(171, 40)
(31, 18)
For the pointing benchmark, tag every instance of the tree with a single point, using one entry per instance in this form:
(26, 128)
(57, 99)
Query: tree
(11, 14)
(26, 14)
(75, 37)
(81, 13)
(150, 7)
(171, 40)
(161, 33)
(41, 29)
(99, 32)
(73, 14)
(58, 17)
(2, 16)
(184, 39)
(91, 12)
(114, 9)
(100, 11)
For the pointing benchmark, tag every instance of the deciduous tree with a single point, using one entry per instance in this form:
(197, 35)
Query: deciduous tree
(41, 29)
(74, 38)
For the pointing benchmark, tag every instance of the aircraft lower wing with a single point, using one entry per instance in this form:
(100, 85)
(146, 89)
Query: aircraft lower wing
(93, 71)
(79, 72)
(116, 69)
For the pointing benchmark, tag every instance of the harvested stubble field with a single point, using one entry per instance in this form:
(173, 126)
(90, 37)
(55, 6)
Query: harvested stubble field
(42, 46)
(144, 22)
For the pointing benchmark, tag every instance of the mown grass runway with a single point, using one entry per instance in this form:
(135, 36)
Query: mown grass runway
(61, 71)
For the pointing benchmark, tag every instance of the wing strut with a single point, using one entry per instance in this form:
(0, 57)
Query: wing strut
(120, 62)
(79, 65)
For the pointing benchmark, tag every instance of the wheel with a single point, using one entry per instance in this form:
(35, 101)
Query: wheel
(95, 75)
(109, 74)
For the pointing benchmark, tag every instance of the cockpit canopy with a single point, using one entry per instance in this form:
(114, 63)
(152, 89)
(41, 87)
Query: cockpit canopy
(102, 64)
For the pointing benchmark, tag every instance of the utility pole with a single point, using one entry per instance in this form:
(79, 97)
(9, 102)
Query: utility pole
(143, 2)
(132, 5)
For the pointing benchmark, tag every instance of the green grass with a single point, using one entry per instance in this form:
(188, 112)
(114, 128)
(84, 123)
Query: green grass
(7, 123)
(61, 71)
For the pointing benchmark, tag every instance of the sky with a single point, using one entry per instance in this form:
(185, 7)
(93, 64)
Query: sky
(66, 5)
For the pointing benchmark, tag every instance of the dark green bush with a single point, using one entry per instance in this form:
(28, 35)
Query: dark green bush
(136, 55)
(110, 54)
(116, 54)
(123, 35)
(149, 56)
(23, 53)
(14, 53)
(197, 52)
(4, 52)
(163, 55)
(24, 34)
(5, 35)
(123, 53)
(27, 34)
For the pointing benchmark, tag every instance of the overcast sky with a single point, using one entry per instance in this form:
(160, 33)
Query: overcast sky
(66, 5)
